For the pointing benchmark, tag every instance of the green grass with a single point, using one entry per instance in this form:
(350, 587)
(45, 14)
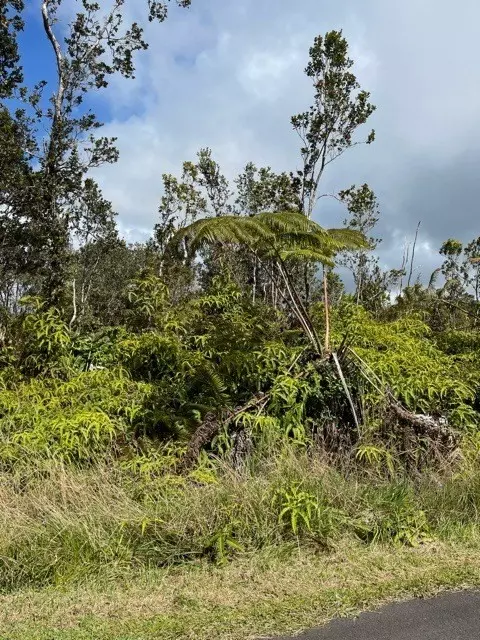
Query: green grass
(136, 553)
(60, 526)
(251, 597)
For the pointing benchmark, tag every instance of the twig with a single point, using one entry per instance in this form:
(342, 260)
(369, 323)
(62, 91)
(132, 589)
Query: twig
(346, 389)
(413, 254)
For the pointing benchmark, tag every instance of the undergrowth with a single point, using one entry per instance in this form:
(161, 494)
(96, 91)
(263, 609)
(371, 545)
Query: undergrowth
(59, 525)
(93, 428)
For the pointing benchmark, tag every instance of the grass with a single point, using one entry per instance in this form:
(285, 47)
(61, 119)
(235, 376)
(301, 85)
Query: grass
(133, 552)
(251, 597)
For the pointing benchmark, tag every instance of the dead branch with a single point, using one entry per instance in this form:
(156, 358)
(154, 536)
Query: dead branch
(425, 426)
(210, 427)
(422, 425)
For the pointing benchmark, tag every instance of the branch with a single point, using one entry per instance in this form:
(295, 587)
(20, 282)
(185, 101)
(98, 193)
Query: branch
(210, 427)
(413, 254)
(116, 6)
(421, 424)
(61, 80)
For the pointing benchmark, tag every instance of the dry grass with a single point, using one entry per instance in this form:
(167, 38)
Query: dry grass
(65, 526)
(266, 594)
(103, 554)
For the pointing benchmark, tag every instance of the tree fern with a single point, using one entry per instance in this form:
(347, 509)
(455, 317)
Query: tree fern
(275, 239)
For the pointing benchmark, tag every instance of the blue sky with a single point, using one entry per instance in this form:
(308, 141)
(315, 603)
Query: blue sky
(229, 74)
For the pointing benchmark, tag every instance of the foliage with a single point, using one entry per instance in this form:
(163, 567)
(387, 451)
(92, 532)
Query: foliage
(395, 517)
(111, 378)
(327, 128)
(297, 508)
(77, 420)
(56, 200)
(404, 356)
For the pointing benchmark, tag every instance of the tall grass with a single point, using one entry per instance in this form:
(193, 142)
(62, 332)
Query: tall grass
(60, 525)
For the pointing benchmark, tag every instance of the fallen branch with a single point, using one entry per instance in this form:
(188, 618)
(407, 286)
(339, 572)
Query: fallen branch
(422, 425)
(426, 426)
(210, 427)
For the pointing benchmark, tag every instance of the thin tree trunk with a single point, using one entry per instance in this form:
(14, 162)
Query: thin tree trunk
(406, 251)
(327, 312)
(413, 254)
(74, 300)
(301, 312)
(58, 101)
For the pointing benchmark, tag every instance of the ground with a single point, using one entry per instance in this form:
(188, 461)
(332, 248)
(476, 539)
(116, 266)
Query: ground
(267, 595)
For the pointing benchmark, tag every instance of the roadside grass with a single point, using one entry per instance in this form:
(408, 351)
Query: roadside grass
(286, 542)
(276, 592)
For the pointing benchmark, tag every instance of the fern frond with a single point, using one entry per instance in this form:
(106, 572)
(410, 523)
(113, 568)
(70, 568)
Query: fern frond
(307, 254)
(289, 234)
(346, 239)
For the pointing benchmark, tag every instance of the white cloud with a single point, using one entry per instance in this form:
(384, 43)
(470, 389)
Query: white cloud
(229, 75)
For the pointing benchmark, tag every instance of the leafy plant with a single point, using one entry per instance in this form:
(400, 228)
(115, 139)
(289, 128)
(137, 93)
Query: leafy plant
(298, 508)
(394, 517)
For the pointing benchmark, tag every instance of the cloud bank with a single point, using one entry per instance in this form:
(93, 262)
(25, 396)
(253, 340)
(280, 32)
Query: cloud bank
(229, 75)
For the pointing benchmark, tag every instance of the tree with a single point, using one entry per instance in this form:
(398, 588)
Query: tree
(372, 284)
(264, 190)
(11, 23)
(17, 196)
(472, 267)
(261, 189)
(363, 215)
(101, 273)
(201, 190)
(452, 269)
(95, 46)
(327, 128)
(276, 239)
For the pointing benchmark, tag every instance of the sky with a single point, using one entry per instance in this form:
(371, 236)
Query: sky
(228, 74)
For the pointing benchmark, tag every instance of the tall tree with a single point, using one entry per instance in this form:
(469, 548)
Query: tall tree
(97, 44)
(340, 107)
(202, 190)
(327, 129)
(261, 189)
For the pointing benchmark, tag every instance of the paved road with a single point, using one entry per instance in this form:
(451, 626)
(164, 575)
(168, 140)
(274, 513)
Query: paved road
(454, 616)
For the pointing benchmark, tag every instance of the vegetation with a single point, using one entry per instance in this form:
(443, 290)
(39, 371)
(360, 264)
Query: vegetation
(214, 398)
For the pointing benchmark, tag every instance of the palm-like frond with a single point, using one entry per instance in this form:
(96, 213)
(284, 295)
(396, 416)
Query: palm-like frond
(283, 234)
(348, 239)
(225, 230)
(307, 255)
